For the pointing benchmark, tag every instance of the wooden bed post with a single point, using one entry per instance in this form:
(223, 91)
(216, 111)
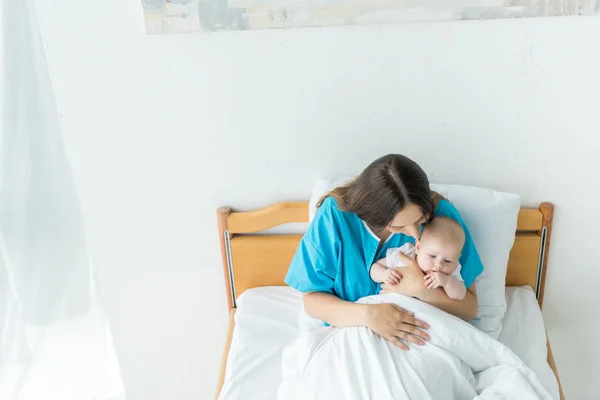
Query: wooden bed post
(222, 216)
(547, 210)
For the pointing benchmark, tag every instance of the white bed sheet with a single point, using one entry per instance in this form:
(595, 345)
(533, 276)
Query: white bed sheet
(268, 319)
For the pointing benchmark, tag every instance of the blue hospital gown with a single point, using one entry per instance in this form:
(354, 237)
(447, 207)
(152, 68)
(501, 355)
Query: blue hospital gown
(336, 253)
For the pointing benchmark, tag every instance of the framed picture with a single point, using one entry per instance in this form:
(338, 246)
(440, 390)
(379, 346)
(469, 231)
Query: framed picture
(173, 16)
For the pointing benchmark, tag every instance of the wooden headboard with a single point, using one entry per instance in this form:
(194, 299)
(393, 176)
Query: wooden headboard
(251, 259)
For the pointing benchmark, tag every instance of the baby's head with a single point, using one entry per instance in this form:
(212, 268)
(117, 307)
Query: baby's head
(440, 245)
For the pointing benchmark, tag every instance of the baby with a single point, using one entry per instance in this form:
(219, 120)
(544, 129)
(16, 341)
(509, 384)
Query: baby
(437, 254)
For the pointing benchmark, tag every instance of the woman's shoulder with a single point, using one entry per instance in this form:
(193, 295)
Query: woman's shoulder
(445, 208)
(330, 219)
(326, 217)
(327, 208)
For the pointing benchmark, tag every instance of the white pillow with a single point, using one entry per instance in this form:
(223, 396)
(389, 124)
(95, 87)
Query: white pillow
(491, 217)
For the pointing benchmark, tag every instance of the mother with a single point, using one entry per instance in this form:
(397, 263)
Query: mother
(354, 225)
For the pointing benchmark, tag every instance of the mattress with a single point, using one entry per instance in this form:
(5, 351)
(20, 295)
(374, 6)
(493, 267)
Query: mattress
(270, 318)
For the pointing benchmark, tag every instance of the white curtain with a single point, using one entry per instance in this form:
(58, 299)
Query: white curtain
(55, 341)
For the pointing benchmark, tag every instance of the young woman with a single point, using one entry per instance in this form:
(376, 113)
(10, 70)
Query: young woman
(353, 227)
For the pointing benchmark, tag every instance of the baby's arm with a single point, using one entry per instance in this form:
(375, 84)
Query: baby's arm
(378, 270)
(380, 273)
(455, 289)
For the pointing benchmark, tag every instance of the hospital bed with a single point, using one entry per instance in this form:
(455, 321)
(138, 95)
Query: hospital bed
(264, 312)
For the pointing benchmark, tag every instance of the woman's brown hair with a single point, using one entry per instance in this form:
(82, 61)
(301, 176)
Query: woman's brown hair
(383, 189)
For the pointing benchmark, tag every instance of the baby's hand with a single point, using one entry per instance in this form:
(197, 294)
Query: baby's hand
(434, 279)
(391, 276)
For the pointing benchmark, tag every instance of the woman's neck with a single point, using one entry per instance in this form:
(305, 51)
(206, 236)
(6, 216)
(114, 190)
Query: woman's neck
(382, 234)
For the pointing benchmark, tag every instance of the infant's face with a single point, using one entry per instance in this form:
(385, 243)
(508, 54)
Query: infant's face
(437, 255)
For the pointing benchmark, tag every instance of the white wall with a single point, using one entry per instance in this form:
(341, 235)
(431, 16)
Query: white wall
(164, 129)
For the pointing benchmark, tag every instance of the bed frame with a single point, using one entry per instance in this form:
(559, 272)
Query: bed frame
(244, 246)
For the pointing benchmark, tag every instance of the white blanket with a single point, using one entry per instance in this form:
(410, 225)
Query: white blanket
(460, 362)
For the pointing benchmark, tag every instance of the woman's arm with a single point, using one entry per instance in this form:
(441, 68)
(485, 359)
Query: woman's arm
(387, 320)
(335, 311)
(465, 309)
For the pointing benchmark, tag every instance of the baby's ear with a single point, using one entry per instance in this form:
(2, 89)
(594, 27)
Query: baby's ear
(417, 246)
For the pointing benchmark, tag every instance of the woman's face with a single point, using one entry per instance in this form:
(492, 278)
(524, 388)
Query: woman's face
(408, 221)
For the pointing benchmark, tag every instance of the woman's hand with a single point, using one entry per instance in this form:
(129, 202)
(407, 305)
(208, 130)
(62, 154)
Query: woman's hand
(412, 282)
(393, 323)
